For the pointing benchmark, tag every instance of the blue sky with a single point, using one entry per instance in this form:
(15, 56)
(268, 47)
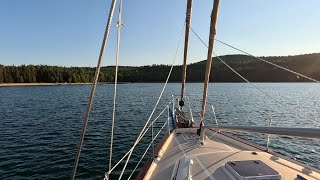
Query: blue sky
(69, 32)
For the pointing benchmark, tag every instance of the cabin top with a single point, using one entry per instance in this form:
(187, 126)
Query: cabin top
(182, 156)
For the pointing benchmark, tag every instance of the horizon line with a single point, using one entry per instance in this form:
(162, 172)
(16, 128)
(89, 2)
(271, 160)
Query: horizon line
(156, 64)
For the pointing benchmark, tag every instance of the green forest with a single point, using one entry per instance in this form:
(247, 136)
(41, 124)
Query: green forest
(252, 69)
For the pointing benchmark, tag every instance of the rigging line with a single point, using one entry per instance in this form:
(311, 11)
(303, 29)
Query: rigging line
(119, 24)
(89, 105)
(202, 42)
(286, 69)
(159, 114)
(139, 139)
(288, 107)
(190, 110)
(164, 87)
(145, 152)
(197, 109)
(259, 58)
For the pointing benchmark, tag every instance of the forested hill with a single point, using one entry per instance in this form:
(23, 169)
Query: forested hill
(254, 70)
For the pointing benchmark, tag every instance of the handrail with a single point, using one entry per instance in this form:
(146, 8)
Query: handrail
(131, 149)
(145, 152)
(162, 91)
(300, 132)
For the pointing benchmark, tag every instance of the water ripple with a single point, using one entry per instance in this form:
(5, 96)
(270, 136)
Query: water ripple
(40, 125)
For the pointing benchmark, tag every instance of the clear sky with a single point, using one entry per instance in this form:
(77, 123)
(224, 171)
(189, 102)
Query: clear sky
(69, 32)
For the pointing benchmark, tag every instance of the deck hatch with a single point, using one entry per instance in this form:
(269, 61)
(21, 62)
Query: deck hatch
(184, 169)
(252, 169)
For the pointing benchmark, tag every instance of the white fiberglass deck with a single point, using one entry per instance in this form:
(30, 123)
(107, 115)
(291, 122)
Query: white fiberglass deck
(209, 159)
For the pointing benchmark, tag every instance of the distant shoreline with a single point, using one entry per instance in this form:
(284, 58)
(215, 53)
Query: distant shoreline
(48, 84)
(99, 83)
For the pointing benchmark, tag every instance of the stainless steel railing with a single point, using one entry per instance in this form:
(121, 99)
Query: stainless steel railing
(300, 132)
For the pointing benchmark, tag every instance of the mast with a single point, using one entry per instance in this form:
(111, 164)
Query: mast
(185, 56)
(214, 17)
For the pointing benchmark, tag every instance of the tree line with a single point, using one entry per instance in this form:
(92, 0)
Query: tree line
(252, 69)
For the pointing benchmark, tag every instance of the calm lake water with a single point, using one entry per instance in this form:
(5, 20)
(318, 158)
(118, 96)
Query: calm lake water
(40, 125)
